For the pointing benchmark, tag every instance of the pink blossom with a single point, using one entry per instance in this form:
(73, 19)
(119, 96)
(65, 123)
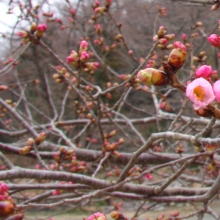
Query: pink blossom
(204, 71)
(179, 45)
(216, 90)
(214, 40)
(200, 93)
(42, 27)
(97, 216)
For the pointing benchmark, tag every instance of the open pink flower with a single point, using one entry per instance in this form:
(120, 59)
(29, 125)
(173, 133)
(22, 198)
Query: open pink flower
(200, 93)
(204, 71)
(216, 90)
(214, 40)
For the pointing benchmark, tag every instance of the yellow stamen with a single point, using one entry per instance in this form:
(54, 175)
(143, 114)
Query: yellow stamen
(199, 92)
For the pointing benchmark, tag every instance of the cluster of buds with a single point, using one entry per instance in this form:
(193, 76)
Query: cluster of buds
(212, 169)
(7, 205)
(101, 9)
(84, 112)
(201, 58)
(132, 81)
(64, 154)
(135, 171)
(59, 191)
(78, 166)
(162, 39)
(115, 172)
(68, 154)
(111, 147)
(151, 63)
(26, 149)
(164, 105)
(34, 34)
(10, 60)
(61, 74)
(151, 76)
(92, 140)
(211, 147)
(10, 102)
(80, 59)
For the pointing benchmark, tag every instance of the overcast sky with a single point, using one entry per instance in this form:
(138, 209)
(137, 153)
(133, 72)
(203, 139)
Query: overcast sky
(5, 19)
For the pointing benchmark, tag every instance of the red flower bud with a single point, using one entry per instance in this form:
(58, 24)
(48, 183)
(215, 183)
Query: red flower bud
(6, 208)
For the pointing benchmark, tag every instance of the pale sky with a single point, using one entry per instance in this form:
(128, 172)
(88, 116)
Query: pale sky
(5, 19)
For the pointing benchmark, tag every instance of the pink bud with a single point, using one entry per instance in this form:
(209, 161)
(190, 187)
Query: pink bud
(179, 45)
(183, 36)
(72, 11)
(83, 45)
(204, 71)
(214, 40)
(42, 27)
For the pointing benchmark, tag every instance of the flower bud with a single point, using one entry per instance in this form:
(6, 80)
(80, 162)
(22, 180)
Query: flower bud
(161, 31)
(112, 133)
(33, 27)
(204, 112)
(6, 208)
(152, 76)
(25, 150)
(117, 215)
(177, 56)
(40, 138)
(30, 142)
(3, 88)
(215, 7)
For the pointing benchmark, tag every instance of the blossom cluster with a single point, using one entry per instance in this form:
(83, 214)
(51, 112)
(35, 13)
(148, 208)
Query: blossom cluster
(80, 58)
